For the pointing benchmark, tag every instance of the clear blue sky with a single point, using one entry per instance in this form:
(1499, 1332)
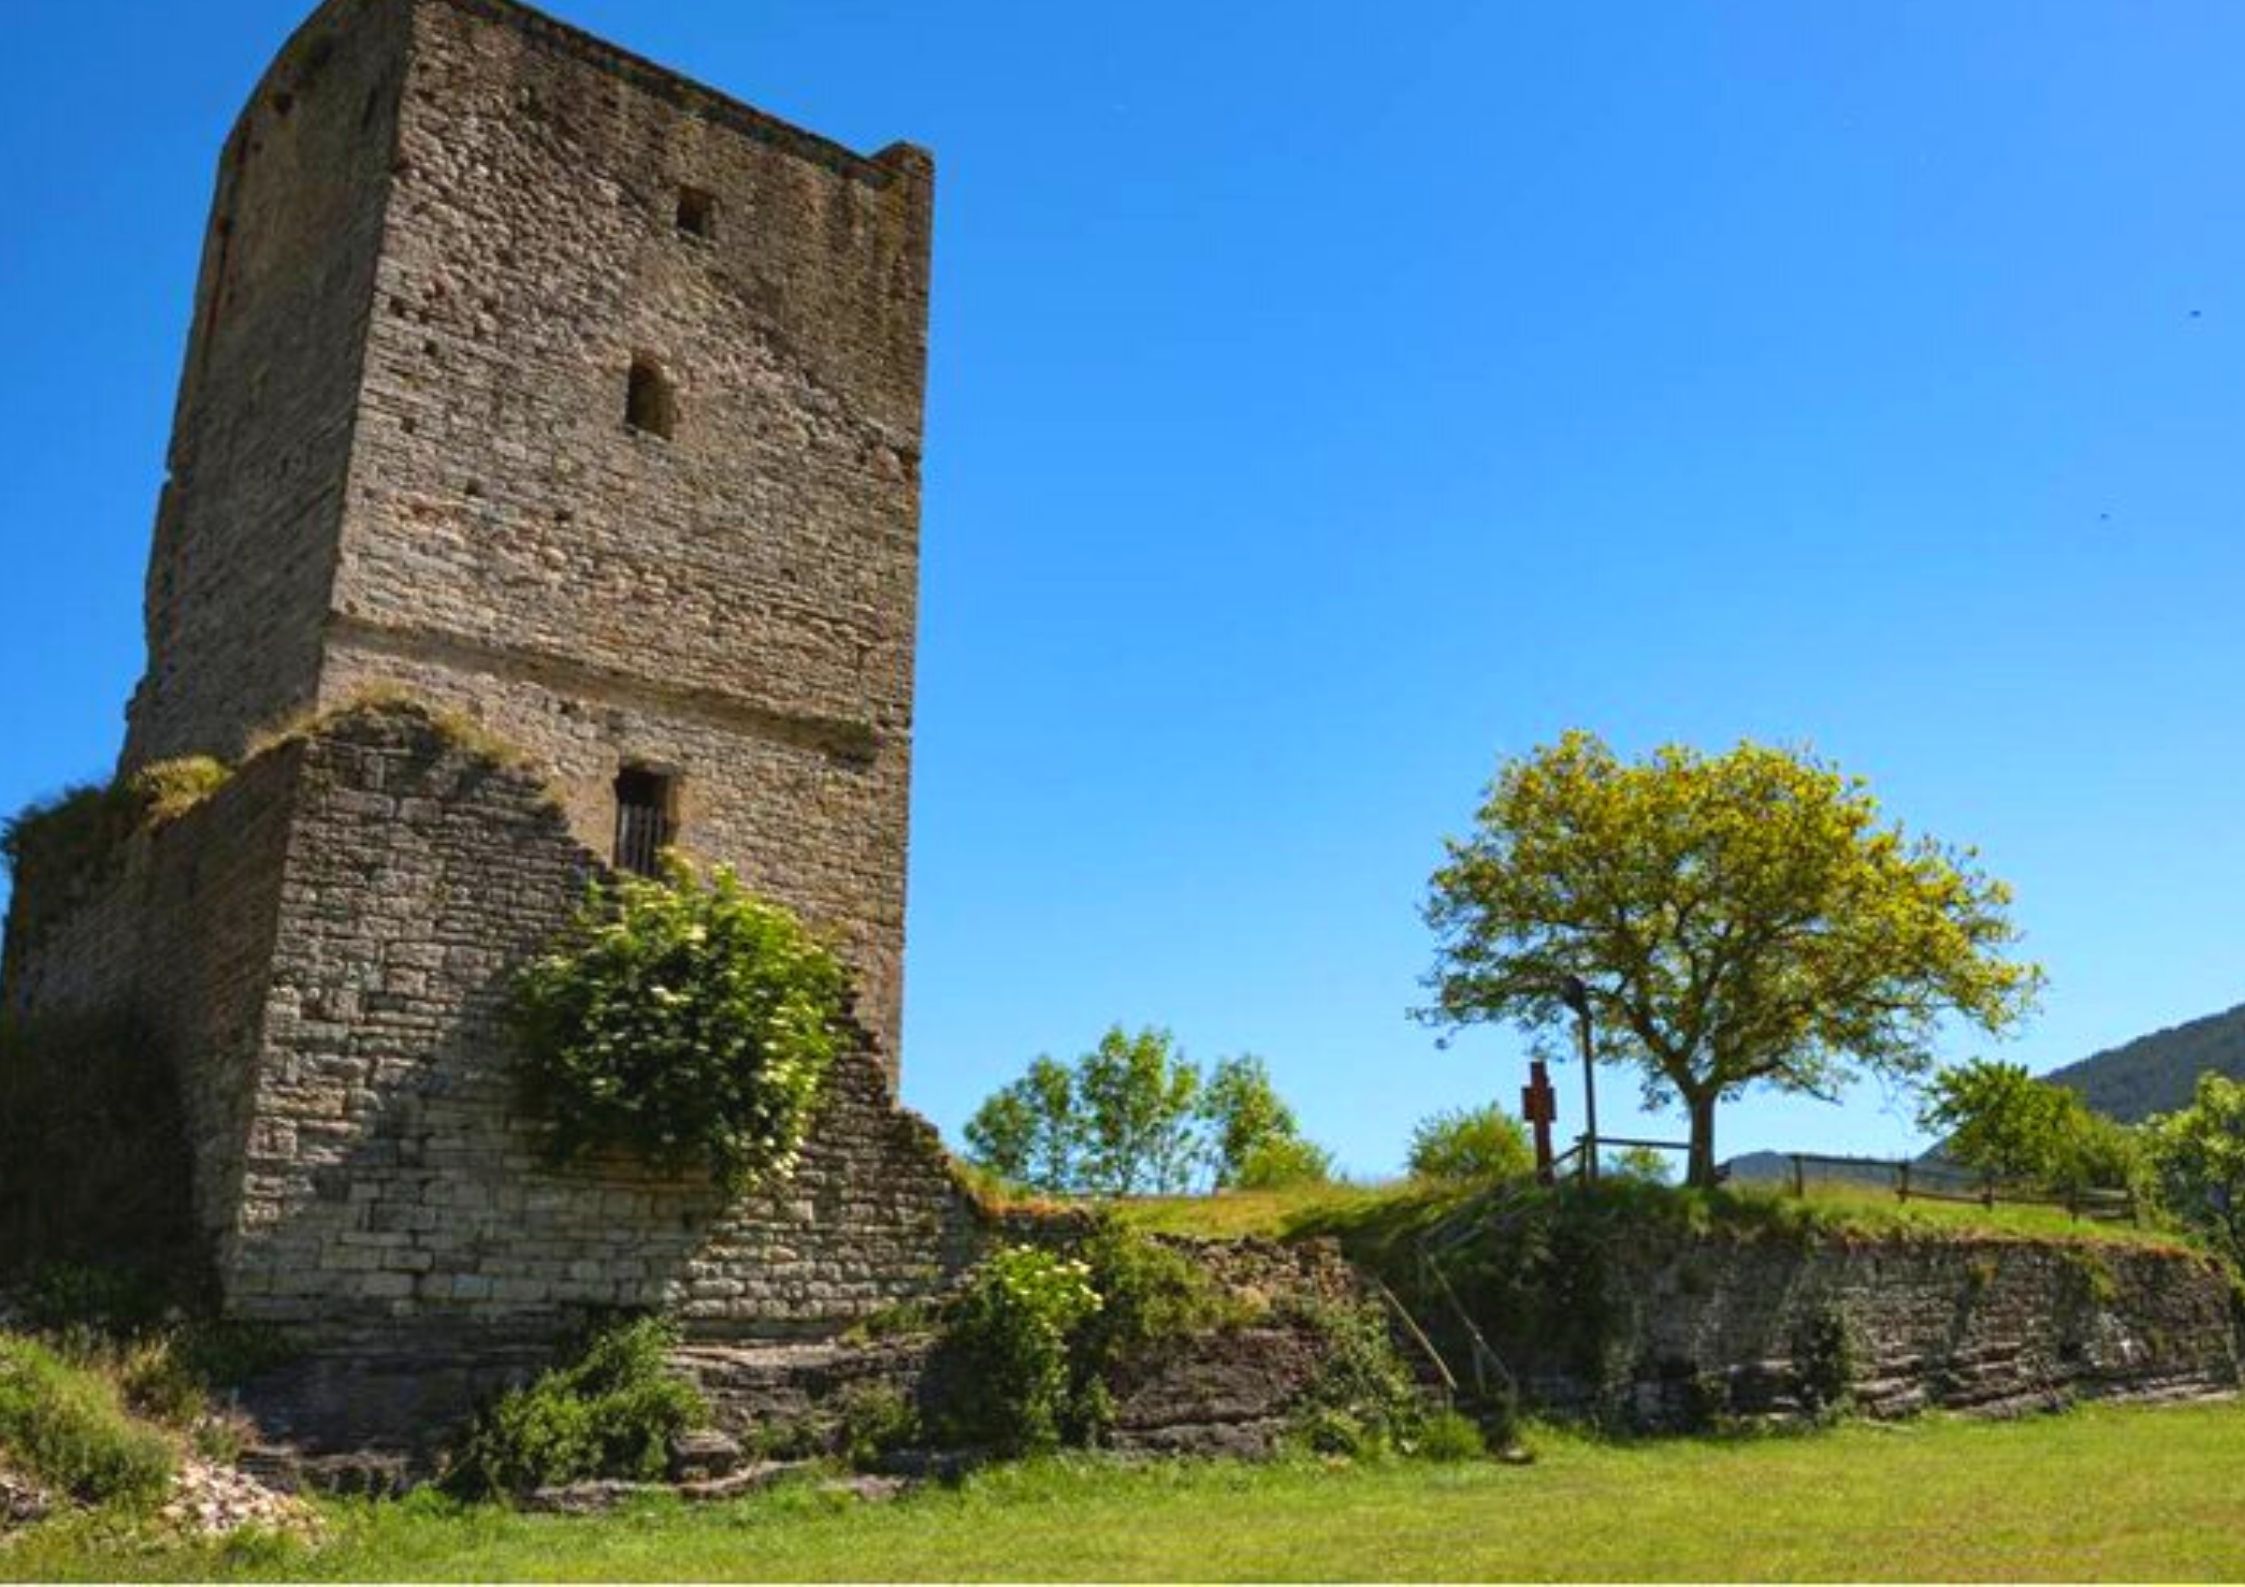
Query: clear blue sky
(1329, 399)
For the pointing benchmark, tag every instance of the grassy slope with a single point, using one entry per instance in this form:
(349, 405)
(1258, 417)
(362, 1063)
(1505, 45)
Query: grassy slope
(1837, 1208)
(2131, 1493)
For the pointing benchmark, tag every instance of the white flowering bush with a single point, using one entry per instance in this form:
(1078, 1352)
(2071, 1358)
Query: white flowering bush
(686, 1021)
(1005, 1351)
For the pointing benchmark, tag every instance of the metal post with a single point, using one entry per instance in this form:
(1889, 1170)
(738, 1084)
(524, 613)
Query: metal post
(1577, 997)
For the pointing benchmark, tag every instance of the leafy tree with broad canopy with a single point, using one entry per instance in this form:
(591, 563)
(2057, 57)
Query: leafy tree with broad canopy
(1730, 919)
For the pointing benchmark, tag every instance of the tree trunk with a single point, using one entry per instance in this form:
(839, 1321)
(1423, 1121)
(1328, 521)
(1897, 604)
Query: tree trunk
(1699, 1171)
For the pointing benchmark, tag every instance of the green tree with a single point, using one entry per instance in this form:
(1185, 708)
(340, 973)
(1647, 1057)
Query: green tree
(1135, 1116)
(1245, 1117)
(1730, 920)
(1643, 1165)
(2199, 1155)
(1471, 1143)
(1027, 1131)
(1137, 1098)
(2005, 1124)
(1999, 1120)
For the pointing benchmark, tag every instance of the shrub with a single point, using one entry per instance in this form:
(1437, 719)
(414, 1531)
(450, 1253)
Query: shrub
(874, 1419)
(1448, 1436)
(609, 1413)
(1284, 1164)
(66, 1426)
(57, 848)
(1471, 1143)
(1363, 1399)
(682, 1021)
(1004, 1359)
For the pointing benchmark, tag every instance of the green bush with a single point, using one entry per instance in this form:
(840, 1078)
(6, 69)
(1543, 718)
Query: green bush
(55, 849)
(874, 1419)
(1471, 1144)
(683, 1022)
(1449, 1436)
(1004, 1360)
(66, 1426)
(1284, 1164)
(1363, 1399)
(609, 1413)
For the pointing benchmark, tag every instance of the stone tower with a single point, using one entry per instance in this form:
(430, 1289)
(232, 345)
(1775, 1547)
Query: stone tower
(547, 453)
(550, 386)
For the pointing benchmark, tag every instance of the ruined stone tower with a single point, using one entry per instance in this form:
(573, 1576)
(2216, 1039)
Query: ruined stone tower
(546, 384)
(547, 452)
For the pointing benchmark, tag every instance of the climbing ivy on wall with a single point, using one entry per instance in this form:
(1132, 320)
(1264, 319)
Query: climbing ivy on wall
(683, 1020)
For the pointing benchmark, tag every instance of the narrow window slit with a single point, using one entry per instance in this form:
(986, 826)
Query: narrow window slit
(697, 212)
(644, 827)
(652, 403)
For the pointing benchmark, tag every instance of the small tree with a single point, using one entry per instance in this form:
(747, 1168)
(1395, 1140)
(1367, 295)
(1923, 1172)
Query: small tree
(1028, 1131)
(1999, 1120)
(1136, 1096)
(1731, 920)
(2003, 1123)
(2199, 1155)
(1135, 1116)
(1471, 1143)
(1246, 1118)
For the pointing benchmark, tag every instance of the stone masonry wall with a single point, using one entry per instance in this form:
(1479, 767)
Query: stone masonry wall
(326, 945)
(246, 527)
(445, 231)
(176, 932)
(1718, 1327)
(394, 1187)
(734, 602)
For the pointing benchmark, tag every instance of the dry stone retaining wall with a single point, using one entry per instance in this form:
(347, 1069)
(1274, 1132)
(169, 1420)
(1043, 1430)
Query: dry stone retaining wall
(1704, 1328)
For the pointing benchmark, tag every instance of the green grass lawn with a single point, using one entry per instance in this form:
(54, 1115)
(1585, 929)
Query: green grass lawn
(2110, 1493)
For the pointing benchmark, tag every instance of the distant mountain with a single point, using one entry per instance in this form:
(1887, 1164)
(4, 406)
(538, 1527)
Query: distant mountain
(1764, 1168)
(2157, 1073)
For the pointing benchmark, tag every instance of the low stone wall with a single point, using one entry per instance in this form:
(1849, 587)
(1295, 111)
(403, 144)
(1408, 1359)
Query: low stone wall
(1228, 1390)
(1682, 1334)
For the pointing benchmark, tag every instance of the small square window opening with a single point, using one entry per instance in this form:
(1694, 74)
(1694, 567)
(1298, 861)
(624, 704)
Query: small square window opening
(697, 212)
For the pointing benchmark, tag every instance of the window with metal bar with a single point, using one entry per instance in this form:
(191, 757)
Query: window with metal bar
(643, 820)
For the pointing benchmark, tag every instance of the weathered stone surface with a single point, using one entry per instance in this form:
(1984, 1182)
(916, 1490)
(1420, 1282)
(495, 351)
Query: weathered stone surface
(22, 1501)
(443, 233)
(449, 239)
(704, 1453)
(1226, 1391)
(1772, 1329)
(371, 1184)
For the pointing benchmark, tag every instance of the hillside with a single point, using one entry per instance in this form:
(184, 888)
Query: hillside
(2156, 1073)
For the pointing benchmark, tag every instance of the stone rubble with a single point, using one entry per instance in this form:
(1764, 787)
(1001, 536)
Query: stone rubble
(211, 1501)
